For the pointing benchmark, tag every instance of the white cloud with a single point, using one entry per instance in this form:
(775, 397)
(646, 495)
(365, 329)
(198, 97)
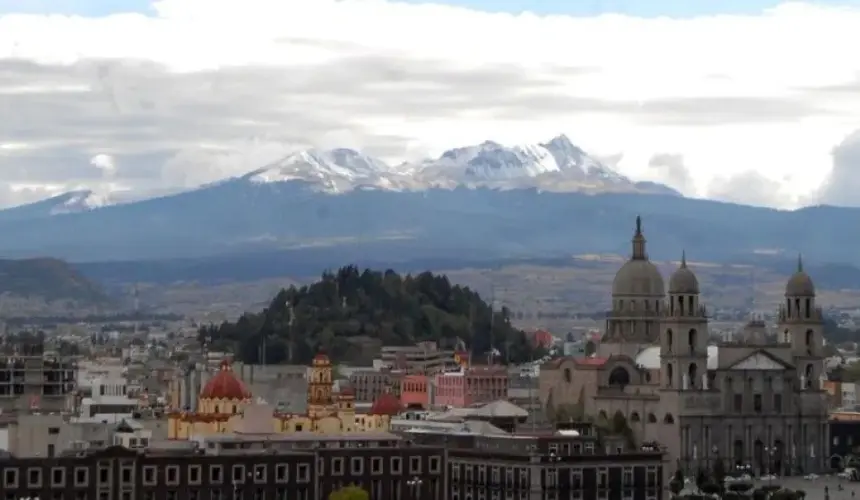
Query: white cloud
(210, 87)
(105, 163)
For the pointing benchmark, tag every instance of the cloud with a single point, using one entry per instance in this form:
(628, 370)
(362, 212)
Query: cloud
(749, 188)
(670, 168)
(206, 89)
(105, 163)
(843, 182)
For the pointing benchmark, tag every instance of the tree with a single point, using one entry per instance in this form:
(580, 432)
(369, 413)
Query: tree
(719, 474)
(349, 493)
(677, 482)
(345, 308)
(701, 478)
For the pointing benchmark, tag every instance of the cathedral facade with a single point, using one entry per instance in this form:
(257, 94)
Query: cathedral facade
(754, 402)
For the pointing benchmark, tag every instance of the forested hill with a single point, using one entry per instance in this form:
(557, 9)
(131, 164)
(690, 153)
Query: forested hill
(345, 308)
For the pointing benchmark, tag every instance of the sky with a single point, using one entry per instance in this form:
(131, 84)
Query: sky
(753, 101)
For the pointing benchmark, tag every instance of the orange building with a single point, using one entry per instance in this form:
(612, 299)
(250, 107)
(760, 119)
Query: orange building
(224, 399)
(414, 392)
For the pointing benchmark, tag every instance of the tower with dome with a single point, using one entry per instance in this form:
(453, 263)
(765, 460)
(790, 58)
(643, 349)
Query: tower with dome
(757, 401)
(226, 405)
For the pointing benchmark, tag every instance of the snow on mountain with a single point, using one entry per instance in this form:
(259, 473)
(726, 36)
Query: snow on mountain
(557, 165)
(78, 201)
(332, 171)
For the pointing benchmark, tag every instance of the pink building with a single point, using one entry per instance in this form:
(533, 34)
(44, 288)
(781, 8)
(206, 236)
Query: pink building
(476, 385)
(413, 392)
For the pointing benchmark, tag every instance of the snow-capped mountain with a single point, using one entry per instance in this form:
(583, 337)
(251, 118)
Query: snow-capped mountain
(557, 165)
(334, 171)
(79, 201)
(82, 200)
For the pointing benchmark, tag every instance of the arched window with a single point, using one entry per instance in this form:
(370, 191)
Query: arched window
(652, 419)
(567, 375)
(669, 374)
(810, 335)
(786, 337)
(634, 417)
(691, 339)
(668, 419)
(669, 339)
(809, 375)
(619, 376)
(602, 415)
(692, 374)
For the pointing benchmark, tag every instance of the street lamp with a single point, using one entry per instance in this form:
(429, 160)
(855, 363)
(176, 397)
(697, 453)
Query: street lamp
(415, 487)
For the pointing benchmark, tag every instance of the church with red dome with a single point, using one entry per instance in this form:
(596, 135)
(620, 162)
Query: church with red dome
(224, 399)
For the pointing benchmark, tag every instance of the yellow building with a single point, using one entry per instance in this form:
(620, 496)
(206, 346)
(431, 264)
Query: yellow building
(224, 400)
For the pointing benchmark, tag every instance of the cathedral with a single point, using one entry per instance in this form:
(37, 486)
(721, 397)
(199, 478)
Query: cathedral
(756, 402)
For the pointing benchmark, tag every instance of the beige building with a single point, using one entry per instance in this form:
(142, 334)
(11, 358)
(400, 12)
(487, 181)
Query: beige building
(751, 402)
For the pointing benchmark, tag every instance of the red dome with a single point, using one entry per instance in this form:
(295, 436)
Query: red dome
(386, 404)
(225, 385)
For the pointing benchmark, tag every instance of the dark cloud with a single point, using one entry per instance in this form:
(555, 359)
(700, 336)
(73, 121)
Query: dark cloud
(843, 182)
(671, 170)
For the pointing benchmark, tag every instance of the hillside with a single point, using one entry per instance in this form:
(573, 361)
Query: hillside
(49, 280)
(350, 308)
(391, 226)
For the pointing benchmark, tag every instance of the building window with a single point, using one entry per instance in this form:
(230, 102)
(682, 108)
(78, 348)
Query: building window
(435, 465)
(376, 465)
(651, 477)
(396, 465)
(82, 476)
(58, 476)
(757, 403)
(627, 476)
(216, 474)
(10, 478)
(260, 473)
(126, 474)
(34, 477)
(357, 466)
(777, 403)
(738, 403)
(415, 465)
(195, 474)
(239, 474)
(281, 473)
(304, 473)
(172, 475)
(337, 466)
(104, 474)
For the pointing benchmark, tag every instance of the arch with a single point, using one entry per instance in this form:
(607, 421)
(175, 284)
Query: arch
(669, 339)
(809, 372)
(619, 376)
(602, 415)
(670, 372)
(777, 458)
(652, 419)
(808, 310)
(693, 374)
(837, 462)
(668, 419)
(634, 417)
(216, 409)
(786, 337)
(810, 337)
(568, 377)
(692, 338)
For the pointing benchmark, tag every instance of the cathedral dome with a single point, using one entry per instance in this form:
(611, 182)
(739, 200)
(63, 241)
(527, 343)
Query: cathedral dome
(386, 404)
(800, 284)
(638, 276)
(684, 280)
(225, 385)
